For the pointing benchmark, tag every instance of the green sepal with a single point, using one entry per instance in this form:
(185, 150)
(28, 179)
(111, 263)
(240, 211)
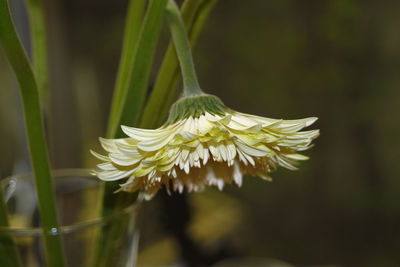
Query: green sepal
(195, 106)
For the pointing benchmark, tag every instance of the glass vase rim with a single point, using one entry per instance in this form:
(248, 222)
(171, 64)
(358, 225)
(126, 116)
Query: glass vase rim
(68, 228)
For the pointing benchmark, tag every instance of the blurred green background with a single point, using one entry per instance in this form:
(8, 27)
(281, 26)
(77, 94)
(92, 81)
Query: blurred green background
(338, 60)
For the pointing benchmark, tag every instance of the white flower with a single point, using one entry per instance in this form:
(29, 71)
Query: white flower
(210, 148)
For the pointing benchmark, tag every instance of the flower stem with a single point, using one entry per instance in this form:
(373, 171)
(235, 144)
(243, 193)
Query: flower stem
(194, 14)
(182, 46)
(36, 137)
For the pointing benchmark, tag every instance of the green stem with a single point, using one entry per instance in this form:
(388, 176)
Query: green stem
(182, 46)
(167, 78)
(194, 14)
(8, 248)
(35, 134)
(39, 48)
(131, 35)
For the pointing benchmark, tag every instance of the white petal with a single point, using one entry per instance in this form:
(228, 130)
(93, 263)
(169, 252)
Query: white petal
(296, 156)
(237, 174)
(155, 144)
(107, 166)
(143, 134)
(99, 156)
(108, 144)
(223, 151)
(123, 160)
(205, 156)
(187, 167)
(250, 150)
(204, 126)
(216, 153)
(231, 148)
(242, 157)
(114, 175)
(286, 164)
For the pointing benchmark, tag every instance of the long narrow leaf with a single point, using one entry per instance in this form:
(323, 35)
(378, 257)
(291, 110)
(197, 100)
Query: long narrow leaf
(36, 138)
(133, 98)
(134, 93)
(201, 17)
(127, 108)
(39, 48)
(131, 34)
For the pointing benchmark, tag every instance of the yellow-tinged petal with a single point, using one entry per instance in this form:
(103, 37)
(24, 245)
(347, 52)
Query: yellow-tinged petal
(123, 159)
(211, 149)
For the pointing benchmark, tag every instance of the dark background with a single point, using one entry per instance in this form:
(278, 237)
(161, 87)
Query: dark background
(335, 59)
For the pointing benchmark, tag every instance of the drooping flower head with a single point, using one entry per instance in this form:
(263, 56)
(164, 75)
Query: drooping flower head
(203, 143)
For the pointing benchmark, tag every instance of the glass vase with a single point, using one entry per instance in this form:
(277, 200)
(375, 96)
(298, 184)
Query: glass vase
(79, 199)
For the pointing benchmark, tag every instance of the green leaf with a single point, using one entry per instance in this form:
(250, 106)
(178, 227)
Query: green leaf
(133, 94)
(126, 64)
(131, 88)
(36, 138)
(39, 49)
